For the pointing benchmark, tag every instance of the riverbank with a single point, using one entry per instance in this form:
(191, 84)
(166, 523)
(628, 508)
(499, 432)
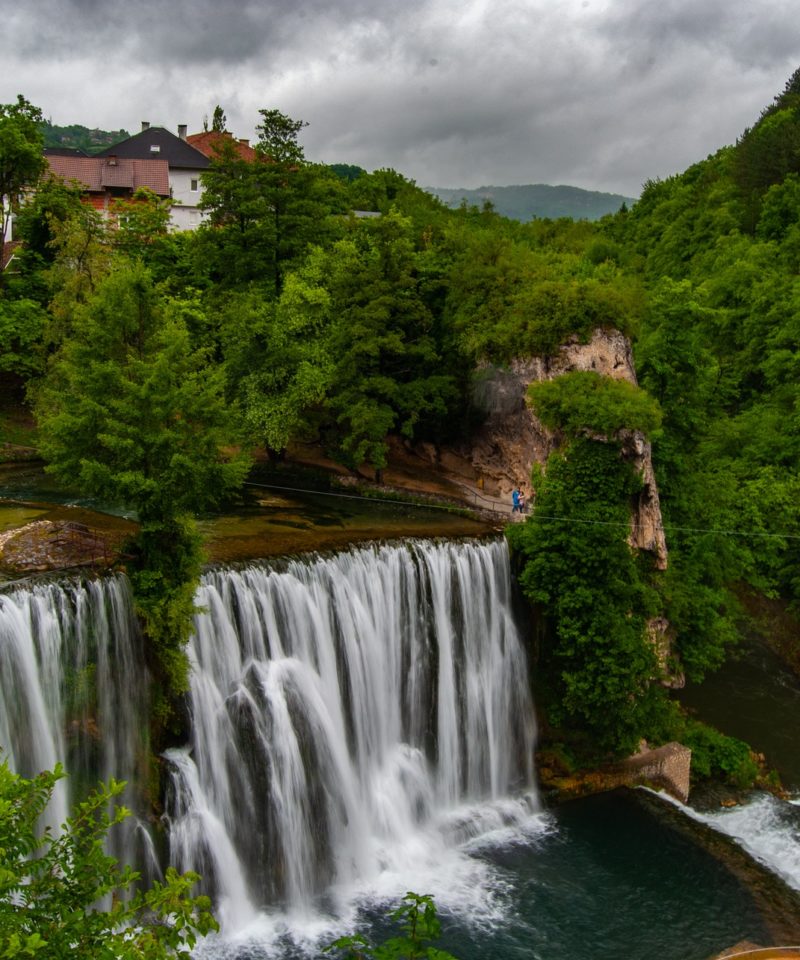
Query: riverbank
(290, 508)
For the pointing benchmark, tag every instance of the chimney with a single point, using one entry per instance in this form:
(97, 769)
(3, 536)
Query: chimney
(244, 141)
(145, 125)
(182, 131)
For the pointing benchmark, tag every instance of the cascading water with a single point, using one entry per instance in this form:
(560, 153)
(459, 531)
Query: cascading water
(354, 718)
(362, 726)
(73, 689)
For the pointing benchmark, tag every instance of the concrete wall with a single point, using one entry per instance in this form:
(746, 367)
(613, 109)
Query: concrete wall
(186, 215)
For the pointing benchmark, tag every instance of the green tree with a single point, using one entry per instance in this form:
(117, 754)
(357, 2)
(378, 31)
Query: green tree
(22, 326)
(419, 923)
(578, 569)
(52, 203)
(21, 159)
(263, 214)
(52, 886)
(388, 372)
(585, 403)
(219, 121)
(277, 138)
(139, 223)
(278, 356)
(131, 413)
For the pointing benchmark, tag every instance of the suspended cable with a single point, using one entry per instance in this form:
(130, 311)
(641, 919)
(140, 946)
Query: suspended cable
(539, 516)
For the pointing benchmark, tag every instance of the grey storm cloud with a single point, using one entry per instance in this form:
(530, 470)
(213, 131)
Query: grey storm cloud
(449, 92)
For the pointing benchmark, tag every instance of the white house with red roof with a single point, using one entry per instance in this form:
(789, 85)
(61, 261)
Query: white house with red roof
(185, 163)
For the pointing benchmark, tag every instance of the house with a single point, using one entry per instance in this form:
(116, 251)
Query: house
(105, 179)
(185, 164)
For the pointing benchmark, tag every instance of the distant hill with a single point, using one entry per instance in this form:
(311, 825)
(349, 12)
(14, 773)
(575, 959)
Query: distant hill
(536, 200)
(81, 138)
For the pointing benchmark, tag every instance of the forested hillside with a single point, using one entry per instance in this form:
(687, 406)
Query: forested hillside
(156, 360)
(79, 137)
(536, 200)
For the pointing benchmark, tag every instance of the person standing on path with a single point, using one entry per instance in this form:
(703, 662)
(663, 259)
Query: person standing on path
(515, 501)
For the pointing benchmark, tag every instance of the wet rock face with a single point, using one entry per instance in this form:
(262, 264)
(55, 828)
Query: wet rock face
(512, 439)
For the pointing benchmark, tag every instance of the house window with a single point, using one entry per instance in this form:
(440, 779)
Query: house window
(155, 148)
(194, 186)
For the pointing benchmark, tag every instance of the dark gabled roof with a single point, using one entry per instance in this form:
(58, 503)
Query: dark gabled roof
(178, 153)
(65, 152)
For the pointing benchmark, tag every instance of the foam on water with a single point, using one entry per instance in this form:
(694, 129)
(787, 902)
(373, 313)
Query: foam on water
(362, 725)
(766, 827)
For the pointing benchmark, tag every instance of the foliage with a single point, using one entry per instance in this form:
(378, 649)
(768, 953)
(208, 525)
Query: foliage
(419, 923)
(347, 171)
(132, 414)
(508, 300)
(52, 888)
(277, 137)
(78, 137)
(130, 411)
(584, 402)
(578, 568)
(294, 369)
(22, 325)
(139, 222)
(53, 203)
(219, 120)
(388, 374)
(720, 251)
(21, 160)
(717, 756)
(264, 213)
(348, 351)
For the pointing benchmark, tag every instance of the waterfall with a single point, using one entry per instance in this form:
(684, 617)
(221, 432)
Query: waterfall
(358, 722)
(74, 689)
(346, 710)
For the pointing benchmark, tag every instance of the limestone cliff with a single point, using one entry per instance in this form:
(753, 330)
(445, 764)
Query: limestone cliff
(511, 439)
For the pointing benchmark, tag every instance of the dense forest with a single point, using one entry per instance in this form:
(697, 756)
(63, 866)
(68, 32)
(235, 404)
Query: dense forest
(155, 361)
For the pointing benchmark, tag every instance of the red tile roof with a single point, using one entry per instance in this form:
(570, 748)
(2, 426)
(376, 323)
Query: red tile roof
(210, 142)
(98, 173)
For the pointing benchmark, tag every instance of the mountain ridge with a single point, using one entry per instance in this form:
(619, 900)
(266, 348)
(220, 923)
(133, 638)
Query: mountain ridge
(532, 201)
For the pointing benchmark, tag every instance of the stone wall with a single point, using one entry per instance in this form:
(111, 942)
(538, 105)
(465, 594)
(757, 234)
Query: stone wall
(668, 767)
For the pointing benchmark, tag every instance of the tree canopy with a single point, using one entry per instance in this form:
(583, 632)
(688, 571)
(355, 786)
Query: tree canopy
(21, 159)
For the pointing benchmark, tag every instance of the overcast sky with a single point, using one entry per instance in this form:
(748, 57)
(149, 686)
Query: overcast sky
(461, 93)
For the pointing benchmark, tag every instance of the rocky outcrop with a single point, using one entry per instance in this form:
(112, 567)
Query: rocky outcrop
(665, 768)
(502, 452)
